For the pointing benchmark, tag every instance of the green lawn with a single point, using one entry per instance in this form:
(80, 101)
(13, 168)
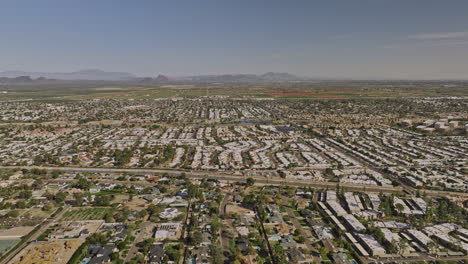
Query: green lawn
(6, 245)
(97, 213)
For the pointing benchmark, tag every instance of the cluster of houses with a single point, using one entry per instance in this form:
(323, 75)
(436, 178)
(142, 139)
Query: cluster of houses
(442, 125)
(352, 153)
(156, 110)
(347, 215)
(433, 177)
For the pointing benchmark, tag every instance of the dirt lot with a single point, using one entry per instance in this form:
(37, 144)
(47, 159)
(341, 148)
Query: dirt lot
(120, 198)
(234, 209)
(35, 212)
(50, 252)
(136, 203)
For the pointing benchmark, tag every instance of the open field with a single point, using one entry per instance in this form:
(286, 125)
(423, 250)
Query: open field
(15, 232)
(119, 198)
(97, 213)
(235, 209)
(50, 252)
(313, 90)
(136, 203)
(34, 212)
(285, 91)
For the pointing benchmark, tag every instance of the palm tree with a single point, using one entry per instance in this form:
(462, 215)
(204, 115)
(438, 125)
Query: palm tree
(399, 208)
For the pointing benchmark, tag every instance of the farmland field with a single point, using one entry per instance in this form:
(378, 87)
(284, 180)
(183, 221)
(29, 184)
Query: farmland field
(85, 214)
(71, 91)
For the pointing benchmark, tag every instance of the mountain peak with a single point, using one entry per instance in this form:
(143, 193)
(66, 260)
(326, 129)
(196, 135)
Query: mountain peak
(161, 78)
(278, 76)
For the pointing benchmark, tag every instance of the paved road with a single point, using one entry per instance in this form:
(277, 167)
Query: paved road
(226, 227)
(185, 232)
(259, 180)
(299, 227)
(420, 259)
(43, 227)
(145, 229)
(221, 176)
(270, 252)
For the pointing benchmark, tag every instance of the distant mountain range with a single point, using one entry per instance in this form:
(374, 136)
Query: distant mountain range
(99, 75)
(91, 75)
(227, 78)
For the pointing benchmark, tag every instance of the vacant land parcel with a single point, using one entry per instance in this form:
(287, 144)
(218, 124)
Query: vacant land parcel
(51, 252)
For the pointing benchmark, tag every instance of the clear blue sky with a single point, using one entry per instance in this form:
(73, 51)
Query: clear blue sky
(329, 38)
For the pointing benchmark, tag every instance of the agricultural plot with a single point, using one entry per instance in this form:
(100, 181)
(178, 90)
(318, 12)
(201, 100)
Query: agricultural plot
(85, 214)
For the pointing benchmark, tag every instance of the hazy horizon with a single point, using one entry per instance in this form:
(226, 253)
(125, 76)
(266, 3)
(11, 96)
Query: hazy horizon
(366, 39)
(176, 77)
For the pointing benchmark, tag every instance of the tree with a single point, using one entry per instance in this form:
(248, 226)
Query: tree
(102, 200)
(114, 256)
(25, 194)
(55, 174)
(197, 238)
(146, 244)
(297, 232)
(47, 207)
(122, 157)
(217, 254)
(215, 226)
(300, 239)
(323, 251)
(60, 197)
(192, 191)
(214, 208)
(153, 210)
(173, 252)
(399, 208)
(82, 183)
(78, 199)
(75, 160)
(278, 254)
(109, 218)
(98, 238)
(142, 213)
(250, 181)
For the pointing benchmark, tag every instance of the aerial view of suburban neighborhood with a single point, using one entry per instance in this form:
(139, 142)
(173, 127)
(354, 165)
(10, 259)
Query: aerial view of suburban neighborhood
(226, 132)
(207, 174)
